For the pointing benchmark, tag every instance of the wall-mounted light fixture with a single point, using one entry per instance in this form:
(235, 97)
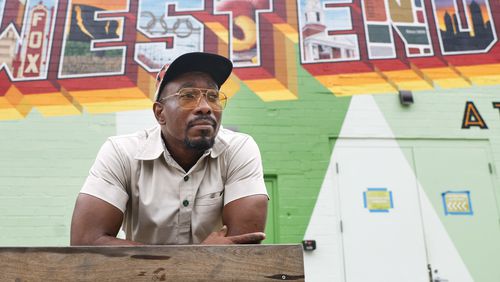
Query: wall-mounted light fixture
(405, 97)
(309, 245)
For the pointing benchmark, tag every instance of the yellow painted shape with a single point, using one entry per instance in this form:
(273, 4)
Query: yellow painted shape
(46, 99)
(231, 86)
(52, 104)
(247, 25)
(118, 106)
(5, 104)
(270, 90)
(58, 110)
(107, 95)
(10, 114)
(407, 80)
(220, 30)
(146, 83)
(483, 74)
(354, 84)
(288, 31)
(445, 77)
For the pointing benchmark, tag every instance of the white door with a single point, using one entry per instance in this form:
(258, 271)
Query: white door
(381, 222)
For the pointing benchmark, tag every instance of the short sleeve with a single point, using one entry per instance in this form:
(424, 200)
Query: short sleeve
(244, 173)
(107, 177)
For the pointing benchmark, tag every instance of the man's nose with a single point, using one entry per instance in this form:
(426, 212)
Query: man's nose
(203, 105)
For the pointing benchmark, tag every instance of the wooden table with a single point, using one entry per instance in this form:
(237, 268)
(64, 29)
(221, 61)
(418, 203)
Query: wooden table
(153, 263)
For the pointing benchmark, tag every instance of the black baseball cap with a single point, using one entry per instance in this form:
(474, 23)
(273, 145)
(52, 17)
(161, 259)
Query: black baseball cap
(218, 67)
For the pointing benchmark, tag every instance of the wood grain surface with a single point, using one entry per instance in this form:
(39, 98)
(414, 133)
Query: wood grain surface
(153, 263)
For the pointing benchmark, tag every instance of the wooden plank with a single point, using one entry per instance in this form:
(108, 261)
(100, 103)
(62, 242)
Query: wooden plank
(153, 263)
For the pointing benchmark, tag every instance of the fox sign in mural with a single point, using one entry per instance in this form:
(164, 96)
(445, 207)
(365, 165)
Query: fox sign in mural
(63, 57)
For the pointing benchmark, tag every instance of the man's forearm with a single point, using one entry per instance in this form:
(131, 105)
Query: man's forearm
(106, 240)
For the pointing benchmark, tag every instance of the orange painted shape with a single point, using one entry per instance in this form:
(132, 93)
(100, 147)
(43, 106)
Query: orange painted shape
(221, 31)
(112, 100)
(285, 61)
(288, 31)
(119, 106)
(52, 104)
(105, 5)
(12, 106)
(146, 82)
(483, 74)
(107, 95)
(291, 16)
(270, 90)
(445, 77)
(407, 80)
(354, 84)
(16, 99)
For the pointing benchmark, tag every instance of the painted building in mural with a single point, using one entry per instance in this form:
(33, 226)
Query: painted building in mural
(389, 190)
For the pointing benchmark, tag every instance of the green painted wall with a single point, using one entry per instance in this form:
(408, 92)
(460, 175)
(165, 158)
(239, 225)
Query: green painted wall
(44, 162)
(293, 137)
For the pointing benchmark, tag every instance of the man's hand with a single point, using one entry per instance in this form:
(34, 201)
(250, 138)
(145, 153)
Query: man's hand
(220, 238)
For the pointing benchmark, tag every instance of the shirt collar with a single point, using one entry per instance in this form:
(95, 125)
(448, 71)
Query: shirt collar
(153, 147)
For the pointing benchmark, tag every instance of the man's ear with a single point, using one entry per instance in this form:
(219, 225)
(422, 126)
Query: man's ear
(157, 110)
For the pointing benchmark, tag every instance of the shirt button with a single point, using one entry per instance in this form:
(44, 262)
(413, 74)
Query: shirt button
(186, 178)
(185, 203)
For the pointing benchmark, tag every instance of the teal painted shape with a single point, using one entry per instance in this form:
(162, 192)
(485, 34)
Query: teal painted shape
(44, 164)
(294, 139)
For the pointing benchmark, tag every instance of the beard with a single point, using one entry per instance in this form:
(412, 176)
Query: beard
(202, 144)
(204, 141)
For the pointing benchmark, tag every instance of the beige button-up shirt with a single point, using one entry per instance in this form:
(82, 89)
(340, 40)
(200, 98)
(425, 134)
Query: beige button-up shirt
(162, 203)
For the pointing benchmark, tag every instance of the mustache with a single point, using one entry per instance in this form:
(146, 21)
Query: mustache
(204, 118)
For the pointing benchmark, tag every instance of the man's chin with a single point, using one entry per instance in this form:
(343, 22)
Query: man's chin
(199, 144)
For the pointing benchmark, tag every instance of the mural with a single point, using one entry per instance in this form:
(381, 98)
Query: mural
(73, 72)
(56, 55)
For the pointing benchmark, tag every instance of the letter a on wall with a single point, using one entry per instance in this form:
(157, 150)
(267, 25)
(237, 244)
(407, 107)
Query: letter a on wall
(472, 117)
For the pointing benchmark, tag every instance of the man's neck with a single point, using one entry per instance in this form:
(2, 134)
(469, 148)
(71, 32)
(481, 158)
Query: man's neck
(184, 156)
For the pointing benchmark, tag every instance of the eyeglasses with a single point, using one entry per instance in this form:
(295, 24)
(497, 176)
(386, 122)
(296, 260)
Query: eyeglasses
(189, 98)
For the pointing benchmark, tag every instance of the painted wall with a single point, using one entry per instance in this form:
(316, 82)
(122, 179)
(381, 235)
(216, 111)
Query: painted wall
(310, 77)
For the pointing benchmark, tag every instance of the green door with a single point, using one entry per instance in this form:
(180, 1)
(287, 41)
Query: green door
(272, 222)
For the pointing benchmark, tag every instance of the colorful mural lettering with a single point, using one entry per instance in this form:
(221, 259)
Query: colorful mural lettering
(62, 57)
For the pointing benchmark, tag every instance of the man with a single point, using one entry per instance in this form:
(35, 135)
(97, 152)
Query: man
(186, 181)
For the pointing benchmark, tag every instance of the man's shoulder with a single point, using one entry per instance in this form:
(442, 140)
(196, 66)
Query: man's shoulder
(233, 138)
(236, 142)
(133, 143)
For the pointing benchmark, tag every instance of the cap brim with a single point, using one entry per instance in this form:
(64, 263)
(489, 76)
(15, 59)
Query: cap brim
(218, 67)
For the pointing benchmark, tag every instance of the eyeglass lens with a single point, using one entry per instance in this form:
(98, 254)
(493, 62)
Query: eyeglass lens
(190, 97)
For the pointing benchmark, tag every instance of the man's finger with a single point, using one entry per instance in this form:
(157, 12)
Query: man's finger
(223, 231)
(248, 238)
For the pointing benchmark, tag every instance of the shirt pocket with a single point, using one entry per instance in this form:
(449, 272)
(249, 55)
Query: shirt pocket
(209, 199)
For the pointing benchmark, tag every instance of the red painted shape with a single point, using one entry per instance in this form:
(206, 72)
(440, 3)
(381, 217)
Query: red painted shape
(97, 83)
(35, 87)
(420, 16)
(252, 73)
(427, 62)
(337, 68)
(4, 83)
(34, 44)
(389, 65)
(414, 51)
(10, 13)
